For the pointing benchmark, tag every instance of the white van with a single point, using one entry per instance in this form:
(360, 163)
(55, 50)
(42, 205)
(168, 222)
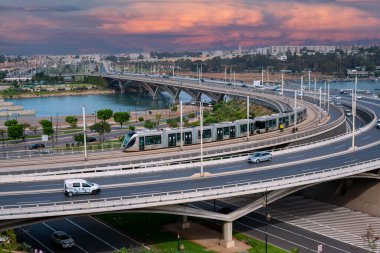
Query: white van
(79, 186)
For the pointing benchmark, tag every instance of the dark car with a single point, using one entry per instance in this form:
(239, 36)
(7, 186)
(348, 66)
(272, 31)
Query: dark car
(91, 138)
(244, 86)
(36, 146)
(62, 239)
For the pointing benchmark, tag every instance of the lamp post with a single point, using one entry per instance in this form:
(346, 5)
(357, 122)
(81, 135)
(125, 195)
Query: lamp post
(201, 123)
(267, 217)
(295, 111)
(181, 122)
(262, 74)
(84, 133)
(178, 246)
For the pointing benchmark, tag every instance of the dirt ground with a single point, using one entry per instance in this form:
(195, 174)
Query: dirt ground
(207, 237)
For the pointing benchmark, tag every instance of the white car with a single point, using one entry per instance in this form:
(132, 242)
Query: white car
(79, 186)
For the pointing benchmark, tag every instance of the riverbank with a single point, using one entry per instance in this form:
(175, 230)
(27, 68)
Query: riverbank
(61, 93)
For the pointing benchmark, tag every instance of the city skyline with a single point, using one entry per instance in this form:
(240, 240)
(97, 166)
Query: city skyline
(115, 26)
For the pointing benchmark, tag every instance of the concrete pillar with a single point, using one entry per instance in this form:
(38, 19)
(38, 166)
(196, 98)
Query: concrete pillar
(227, 241)
(184, 222)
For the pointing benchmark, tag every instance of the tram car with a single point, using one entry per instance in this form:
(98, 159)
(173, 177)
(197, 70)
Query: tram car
(166, 138)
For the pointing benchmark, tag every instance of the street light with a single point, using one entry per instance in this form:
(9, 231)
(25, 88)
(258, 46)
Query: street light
(201, 123)
(262, 74)
(267, 217)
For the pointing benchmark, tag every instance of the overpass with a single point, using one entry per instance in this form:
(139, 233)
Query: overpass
(164, 188)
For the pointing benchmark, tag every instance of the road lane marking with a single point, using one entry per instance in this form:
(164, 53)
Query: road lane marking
(117, 231)
(34, 202)
(351, 161)
(238, 181)
(82, 249)
(38, 241)
(41, 185)
(97, 237)
(340, 146)
(290, 157)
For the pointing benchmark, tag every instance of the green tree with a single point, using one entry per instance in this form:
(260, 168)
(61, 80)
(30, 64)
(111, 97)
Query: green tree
(24, 126)
(131, 128)
(172, 123)
(141, 119)
(47, 127)
(121, 117)
(149, 124)
(101, 128)
(11, 122)
(158, 118)
(72, 121)
(15, 131)
(174, 108)
(79, 137)
(104, 114)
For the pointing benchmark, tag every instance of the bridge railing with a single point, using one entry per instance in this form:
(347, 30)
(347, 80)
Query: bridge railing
(50, 208)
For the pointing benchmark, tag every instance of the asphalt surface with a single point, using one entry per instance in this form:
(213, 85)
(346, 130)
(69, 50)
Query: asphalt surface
(90, 235)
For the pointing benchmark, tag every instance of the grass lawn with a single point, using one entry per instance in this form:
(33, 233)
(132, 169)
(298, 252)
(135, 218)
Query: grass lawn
(149, 228)
(257, 245)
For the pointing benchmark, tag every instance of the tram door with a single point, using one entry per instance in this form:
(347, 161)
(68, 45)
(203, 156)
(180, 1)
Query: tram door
(188, 138)
(232, 132)
(172, 142)
(219, 133)
(141, 143)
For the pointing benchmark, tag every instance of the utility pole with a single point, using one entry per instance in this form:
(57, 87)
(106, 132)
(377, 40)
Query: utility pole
(201, 121)
(354, 112)
(309, 79)
(84, 133)
(320, 104)
(301, 87)
(247, 118)
(328, 97)
(295, 111)
(282, 84)
(181, 122)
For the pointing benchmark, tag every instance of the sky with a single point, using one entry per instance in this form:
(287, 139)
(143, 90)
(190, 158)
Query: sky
(30, 27)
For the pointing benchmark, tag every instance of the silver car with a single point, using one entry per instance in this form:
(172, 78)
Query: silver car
(258, 157)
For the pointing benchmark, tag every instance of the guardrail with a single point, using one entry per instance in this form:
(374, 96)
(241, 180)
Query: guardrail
(181, 196)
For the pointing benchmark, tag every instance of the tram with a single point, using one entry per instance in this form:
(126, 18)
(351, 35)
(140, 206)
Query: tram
(169, 137)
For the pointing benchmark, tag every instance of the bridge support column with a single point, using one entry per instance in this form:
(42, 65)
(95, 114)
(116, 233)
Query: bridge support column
(227, 241)
(184, 222)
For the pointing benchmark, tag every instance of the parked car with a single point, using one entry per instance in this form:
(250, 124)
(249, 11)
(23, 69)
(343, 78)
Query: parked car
(258, 157)
(91, 138)
(62, 239)
(378, 124)
(36, 146)
(80, 186)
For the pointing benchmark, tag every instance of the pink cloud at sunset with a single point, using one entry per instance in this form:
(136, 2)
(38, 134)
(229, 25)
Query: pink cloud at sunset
(116, 26)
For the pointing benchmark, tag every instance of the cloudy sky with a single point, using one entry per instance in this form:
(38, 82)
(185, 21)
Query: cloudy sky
(115, 26)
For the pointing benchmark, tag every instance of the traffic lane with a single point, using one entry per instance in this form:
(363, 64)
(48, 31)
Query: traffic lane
(190, 183)
(288, 232)
(106, 232)
(360, 140)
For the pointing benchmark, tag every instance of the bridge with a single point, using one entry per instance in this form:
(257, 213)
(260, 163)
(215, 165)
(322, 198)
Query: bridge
(167, 184)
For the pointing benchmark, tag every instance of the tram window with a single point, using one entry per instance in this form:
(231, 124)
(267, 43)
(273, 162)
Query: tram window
(178, 137)
(226, 130)
(154, 139)
(260, 124)
(243, 128)
(131, 142)
(206, 133)
(271, 123)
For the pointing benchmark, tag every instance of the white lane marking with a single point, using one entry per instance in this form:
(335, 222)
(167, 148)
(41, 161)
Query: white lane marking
(238, 181)
(79, 247)
(227, 168)
(35, 202)
(34, 238)
(351, 161)
(97, 237)
(365, 138)
(41, 185)
(312, 169)
(291, 157)
(117, 231)
(291, 232)
(141, 193)
(340, 146)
